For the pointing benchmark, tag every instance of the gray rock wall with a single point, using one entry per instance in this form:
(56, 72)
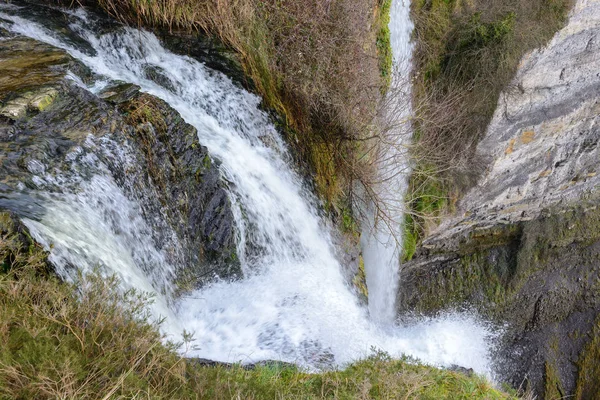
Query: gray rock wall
(523, 248)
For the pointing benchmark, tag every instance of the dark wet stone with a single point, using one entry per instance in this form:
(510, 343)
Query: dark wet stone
(120, 93)
(156, 75)
(207, 50)
(273, 364)
(47, 120)
(462, 370)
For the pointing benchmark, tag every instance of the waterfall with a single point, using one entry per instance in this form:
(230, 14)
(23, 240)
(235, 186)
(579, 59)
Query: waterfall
(293, 304)
(381, 240)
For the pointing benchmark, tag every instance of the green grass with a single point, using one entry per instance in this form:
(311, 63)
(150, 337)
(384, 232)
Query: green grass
(89, 341)
(384, 48)
(377, 377)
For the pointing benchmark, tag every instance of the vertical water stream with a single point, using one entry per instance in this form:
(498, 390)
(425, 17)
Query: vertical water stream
(382, 229)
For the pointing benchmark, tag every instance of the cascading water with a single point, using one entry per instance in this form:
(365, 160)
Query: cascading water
(382, 228)
(292, 304)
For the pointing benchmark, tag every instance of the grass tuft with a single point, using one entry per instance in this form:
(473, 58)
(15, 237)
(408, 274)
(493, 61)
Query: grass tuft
(88, 340)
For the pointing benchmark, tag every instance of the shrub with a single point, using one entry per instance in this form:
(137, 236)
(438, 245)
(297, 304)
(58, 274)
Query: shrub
(466, 53)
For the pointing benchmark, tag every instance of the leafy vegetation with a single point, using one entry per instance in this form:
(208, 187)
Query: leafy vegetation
(466, 53)
(87, 340)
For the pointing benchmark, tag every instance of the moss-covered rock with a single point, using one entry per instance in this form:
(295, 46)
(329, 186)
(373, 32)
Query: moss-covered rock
(18, 249)
(541, 278)
(48, 122)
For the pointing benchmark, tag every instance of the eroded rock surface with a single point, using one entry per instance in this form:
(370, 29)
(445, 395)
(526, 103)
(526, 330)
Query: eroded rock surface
(56, 136)
(524, 246)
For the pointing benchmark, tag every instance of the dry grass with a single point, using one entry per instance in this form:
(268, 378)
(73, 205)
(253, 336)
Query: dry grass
(88, 340)
(322, 65)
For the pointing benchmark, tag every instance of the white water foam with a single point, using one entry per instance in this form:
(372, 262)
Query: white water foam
(293, 304)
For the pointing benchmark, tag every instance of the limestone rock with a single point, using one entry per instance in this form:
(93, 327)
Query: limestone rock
(524, 246)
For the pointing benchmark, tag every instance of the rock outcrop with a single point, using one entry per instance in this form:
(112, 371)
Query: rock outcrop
(50, 126)
(524, 246)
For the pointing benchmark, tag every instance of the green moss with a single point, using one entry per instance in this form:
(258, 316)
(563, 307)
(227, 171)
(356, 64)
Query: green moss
(43, 99)
(360, 279)
(206, 162)
(410, 237)
(384, 48)
(588, 367)
(553, 388)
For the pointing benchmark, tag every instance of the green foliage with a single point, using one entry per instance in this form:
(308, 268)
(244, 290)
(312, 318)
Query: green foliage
(349, 224)
(384, 48)
(477, 34)
(88, 340)
(427, 198)
(466, 53)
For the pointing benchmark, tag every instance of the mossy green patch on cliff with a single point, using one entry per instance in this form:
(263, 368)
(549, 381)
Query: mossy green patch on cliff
(360, 279)
(588, 366)
(553, 386)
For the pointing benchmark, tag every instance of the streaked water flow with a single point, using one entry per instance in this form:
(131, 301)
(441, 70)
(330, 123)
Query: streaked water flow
(381, 240)
(293, 303)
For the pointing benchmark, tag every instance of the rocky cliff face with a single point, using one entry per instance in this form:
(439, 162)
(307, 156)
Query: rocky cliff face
(524, 246)
(54, 133)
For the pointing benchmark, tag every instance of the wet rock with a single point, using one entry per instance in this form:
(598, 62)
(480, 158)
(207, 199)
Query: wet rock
(120, 93)
(208, 50)
(189, 187)
(462, 370)
(18, 246)
(273, 364)
(50, 126)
